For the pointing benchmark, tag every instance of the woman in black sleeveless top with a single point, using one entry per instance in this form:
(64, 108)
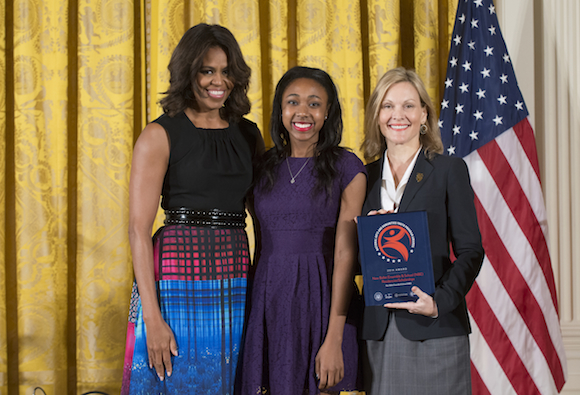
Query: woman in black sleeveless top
(188, 302)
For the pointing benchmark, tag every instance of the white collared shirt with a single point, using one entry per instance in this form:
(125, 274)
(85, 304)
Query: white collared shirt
(391, 196)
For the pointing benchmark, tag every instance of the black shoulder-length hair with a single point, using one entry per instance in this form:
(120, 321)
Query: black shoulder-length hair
(326, 150)
(187, 60)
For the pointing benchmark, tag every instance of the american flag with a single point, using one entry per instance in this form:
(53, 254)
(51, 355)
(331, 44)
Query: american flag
(516, 344)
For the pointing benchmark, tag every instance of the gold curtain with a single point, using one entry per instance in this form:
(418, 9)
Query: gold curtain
(78, 81)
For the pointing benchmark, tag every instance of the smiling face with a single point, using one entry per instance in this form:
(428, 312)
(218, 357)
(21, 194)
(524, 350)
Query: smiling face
(304, 109)
(213, 83)
(401, 115)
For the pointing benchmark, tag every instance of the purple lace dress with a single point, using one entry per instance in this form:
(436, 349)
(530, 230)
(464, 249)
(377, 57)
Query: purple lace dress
(290, 300)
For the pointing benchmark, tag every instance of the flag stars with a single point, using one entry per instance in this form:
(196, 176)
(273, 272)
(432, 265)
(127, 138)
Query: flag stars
(466, 66)
(478, 114)
(451, 150)
(462, 18)
(478, 3)
(440, 124)
(464, 88)
(503, 78)
(457, 39)
(473, 135)
(492, 30)
(488, 51)
(485, 73)
(506, 58)
(480, 94)
(448, 83)
(474, 24)
(459, 108)
(456, 129)
(444, 104)
(502, 99)
(491, 9)
(471, 45)
(519, 105)
(453, 62)
(498, 120)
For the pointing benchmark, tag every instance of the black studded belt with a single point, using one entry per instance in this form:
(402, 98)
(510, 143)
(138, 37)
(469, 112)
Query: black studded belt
(209, 218)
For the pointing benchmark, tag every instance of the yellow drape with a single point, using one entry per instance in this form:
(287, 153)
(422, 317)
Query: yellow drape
(79, 80)
(106, 70)
(3, 257)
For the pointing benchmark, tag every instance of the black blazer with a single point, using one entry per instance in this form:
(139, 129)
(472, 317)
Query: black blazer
(441, 187)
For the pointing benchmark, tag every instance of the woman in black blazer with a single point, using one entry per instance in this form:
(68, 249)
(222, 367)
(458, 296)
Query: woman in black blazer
(420, 347)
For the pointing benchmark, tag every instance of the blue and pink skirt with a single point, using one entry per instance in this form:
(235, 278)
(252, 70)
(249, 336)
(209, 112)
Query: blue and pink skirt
(201, 275)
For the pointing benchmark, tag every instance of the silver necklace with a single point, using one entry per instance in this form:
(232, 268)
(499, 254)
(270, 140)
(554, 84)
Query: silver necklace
(293, 177)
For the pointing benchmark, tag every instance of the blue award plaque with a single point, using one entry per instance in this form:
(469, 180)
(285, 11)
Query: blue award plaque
(395, 255)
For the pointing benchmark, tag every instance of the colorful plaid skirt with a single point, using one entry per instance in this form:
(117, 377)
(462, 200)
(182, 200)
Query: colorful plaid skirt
(201, 276)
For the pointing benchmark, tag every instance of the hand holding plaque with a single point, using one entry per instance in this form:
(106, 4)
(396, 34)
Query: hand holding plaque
(395, 256)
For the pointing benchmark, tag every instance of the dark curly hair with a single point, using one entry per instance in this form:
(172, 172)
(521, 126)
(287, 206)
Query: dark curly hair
(326, 150)
(187, 60)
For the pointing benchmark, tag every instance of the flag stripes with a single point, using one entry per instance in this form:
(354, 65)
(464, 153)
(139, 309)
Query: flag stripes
(484, 361)
(520, 294)
(525, 167)
(525, 135)
(477, 382)
(516, 342)
(526, 301)
(500, 343)
(513, 194)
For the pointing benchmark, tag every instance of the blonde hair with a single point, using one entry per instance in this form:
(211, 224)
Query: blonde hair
(374, 142)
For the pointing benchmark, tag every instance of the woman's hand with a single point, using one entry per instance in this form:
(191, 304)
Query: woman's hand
(380, 211)
(329, 364)
(376, 212)
(425, 305)
(160, 346)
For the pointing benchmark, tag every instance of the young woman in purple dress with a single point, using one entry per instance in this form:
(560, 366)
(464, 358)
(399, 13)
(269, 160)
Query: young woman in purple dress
(300, 338)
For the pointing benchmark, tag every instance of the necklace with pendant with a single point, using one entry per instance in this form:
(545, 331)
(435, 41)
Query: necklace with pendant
(293, 177)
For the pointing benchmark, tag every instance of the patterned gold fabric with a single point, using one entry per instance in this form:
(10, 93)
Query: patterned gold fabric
(104, 144)
(384, 37)
(3, 336)
(84, 78)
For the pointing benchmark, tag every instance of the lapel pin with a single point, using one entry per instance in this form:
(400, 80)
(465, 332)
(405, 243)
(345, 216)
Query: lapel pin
(419, 177)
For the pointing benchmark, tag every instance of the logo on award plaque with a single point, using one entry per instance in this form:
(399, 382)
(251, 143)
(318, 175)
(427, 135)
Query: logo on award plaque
(394, 242)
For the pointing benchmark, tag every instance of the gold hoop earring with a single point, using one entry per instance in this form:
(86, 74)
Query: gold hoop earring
(423, 129)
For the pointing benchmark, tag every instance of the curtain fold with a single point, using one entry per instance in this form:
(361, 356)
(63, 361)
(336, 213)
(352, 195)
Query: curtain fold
(84, 78)
(384, 37)
(426, 34)
(105, 140)
(3, 119)
(40, 190)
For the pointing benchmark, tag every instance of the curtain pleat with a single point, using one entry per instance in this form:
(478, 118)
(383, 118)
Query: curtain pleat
(105, 141)
(164, 26)
(165, 23)
(384, 38)
(3, 119)
(78, 82)
(40, 190)
(426, 34)
(275, 55)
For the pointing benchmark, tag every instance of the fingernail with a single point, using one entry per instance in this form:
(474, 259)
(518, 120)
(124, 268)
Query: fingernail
(160, 377)
(168, 374)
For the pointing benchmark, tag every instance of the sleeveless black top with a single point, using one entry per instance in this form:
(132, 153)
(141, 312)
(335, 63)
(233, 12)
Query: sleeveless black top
(208, 168)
